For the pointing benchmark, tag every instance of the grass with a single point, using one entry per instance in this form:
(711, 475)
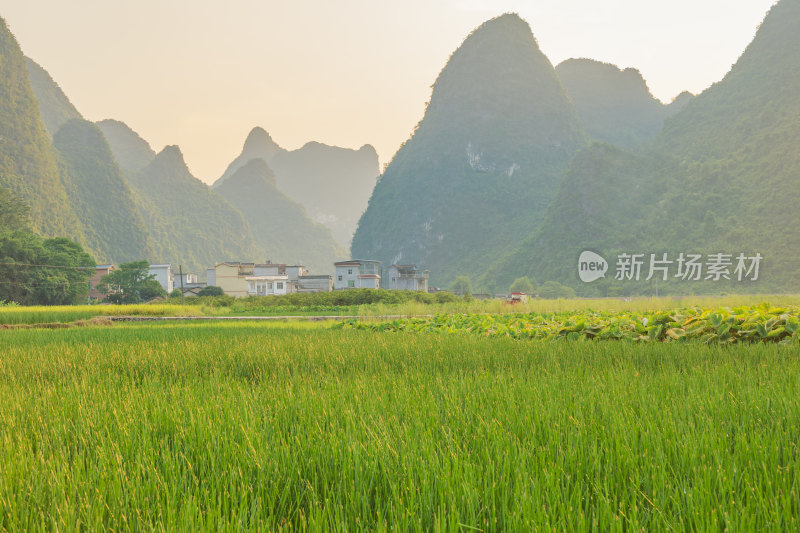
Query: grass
(297, 426)
(71, 313)
(52, 314)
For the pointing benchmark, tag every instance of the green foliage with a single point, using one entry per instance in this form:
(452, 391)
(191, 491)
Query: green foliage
(478, 173)
(349, 297)
(461, 286)
(14, 212)
(210, 290)
(553, 289)
(131, 283)
(39, 271)
(523, 284)
(743, 324)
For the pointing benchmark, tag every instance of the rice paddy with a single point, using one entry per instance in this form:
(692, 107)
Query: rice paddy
(299, 426)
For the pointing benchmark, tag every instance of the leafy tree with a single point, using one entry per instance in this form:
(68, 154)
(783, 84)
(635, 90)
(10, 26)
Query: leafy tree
(38, 271)
(461, 285)
(131, 283)
(211, 290)
(553, 290)
(523, 284)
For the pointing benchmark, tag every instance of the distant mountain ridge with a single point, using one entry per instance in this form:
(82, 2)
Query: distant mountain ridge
(614, 105)
(189, 223)
(131, 151)
(54, 106)
(332, 183)
(279, 225)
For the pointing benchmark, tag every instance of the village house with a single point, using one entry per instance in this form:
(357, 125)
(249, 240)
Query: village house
(357, 274)
(517, 297)
(188, 285)
(95, 294)
(265, 279)
(406, 278)
(163, 275)
(231, 277)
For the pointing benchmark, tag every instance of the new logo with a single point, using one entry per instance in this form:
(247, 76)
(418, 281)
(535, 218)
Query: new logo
(591, 267)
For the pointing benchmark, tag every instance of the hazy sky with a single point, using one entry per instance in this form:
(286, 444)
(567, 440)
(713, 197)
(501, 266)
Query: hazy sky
(201, 73)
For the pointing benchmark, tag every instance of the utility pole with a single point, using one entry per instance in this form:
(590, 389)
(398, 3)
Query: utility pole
(180, 271)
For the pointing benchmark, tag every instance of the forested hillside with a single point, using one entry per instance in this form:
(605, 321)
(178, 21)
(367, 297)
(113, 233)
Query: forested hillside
(28, 163)
(476, 176)
(722, 177)
(100, 195)
(54, 106)
(189, 224)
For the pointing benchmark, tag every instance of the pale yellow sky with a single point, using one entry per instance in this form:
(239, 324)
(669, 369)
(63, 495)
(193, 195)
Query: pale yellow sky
(201, 74)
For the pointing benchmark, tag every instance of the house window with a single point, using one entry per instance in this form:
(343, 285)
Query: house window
(350, 271)
(280, 285)
(269, 285)
(351, 283)
(340, 278)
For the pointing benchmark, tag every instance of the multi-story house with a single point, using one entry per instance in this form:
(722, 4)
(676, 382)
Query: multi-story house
(406, 278)
(357, 274)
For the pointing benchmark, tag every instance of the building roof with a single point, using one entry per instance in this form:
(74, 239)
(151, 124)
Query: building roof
(234, 264)
(98, 267)
(267, 278)
(355, 262)
(368, 276)
(317, 276)
(160, 266)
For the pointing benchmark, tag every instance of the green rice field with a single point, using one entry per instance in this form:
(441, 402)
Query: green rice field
(298, 426)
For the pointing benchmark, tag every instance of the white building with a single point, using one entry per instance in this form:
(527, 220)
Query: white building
(357, 274)
(265, 279)
(406, 278)
(268, 285)
(163, 275)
